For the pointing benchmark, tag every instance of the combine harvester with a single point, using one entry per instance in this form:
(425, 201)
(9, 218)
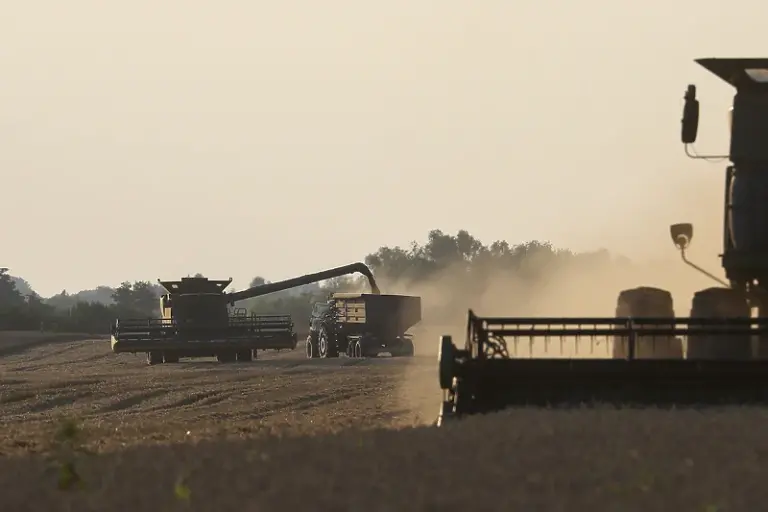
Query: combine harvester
(197, 320)
(726, 347)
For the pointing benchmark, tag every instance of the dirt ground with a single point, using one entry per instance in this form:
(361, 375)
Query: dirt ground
(287, 433)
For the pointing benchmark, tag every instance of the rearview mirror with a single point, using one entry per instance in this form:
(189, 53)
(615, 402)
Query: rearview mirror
(681, 234)
(690, 120)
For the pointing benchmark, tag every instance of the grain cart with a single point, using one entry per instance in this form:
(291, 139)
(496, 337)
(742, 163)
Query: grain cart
(363, 325)
(197, 321)
(722, 362)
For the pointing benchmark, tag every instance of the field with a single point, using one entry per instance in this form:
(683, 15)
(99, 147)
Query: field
(287, 433)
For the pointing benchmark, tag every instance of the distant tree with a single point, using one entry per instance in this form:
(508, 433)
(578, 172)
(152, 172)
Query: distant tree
(22, 285)
(257, 281)
(140, 297)
(9, 294)
(145, 298)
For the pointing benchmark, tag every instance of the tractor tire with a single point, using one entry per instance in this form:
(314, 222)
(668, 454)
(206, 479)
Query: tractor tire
(719, 303)
(327, 346)
(647, 301)
(406, 349)
(311, 348)
(244, 356)
(226, 357)
(171, 357)
(154, 357)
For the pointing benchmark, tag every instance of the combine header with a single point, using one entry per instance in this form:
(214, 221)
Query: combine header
(637, 357)
(197, 321)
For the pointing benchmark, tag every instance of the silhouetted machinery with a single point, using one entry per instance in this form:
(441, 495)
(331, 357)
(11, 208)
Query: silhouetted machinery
(724, 359)
(363, 325)
(197, 320)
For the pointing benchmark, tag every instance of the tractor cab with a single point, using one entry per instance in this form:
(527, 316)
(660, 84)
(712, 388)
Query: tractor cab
(320, 308)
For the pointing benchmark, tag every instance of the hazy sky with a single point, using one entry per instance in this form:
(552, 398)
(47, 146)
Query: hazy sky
(160, 138)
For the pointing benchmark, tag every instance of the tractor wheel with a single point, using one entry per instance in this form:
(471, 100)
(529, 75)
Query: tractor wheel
(407, 349)
(244, 356)
(226, 357)
(154, 357)
(311, 346)
(171, 357)
(646, 301)
(327, 345)
(719, 303)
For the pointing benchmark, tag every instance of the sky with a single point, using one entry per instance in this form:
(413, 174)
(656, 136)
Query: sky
(150, 139)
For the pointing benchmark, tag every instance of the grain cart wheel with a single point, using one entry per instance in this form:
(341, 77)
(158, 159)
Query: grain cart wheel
(719, 303)
(407, 349)
(244, 356)
(171, 357)
(154, 357)
(327, 346)
(358, 350)
(646, 301)
(226, 357)
(446, 361)
(311, 346)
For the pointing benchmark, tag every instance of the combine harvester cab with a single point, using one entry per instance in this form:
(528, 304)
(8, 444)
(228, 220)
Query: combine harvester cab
(197, 321)
(636, 358)
(363, 325)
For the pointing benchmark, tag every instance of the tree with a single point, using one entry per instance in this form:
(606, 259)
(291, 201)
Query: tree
(9, 295)
(257, 281)
(140, 297)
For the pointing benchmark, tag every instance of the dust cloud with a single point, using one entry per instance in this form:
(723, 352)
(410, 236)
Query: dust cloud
(586, 285)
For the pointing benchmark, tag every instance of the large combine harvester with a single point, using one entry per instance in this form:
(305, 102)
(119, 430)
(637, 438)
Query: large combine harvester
(198, 320)
(725, 360)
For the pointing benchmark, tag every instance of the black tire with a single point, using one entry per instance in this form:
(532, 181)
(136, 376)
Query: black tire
(719, 303)
(226, 357)
(464, 397)
(154, 357)
(311, 348)
(171, 357)
(647, 301)
(327, 345)
(405, 349)
(244, 356)
(358, 351)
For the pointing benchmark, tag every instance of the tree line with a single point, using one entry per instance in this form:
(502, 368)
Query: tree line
(460, 259)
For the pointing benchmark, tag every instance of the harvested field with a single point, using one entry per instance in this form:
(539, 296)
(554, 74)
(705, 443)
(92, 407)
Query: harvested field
(284, 432)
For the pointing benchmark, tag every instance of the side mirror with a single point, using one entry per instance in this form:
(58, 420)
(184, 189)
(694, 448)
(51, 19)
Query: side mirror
(681, 234)
(690, 120)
